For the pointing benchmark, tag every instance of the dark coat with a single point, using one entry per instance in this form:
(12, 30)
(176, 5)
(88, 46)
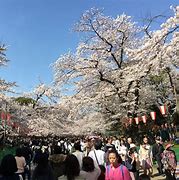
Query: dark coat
(11, 177)
(157, 150)
(57, 162)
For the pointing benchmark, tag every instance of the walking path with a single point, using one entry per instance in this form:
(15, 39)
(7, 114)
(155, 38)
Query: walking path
(162, 177)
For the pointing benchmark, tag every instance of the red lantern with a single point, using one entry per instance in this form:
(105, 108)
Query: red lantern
(3, 116)
(144, 119)
(153, 115)
(163, 109)
(8, 118)
(136, 120)
(130, 121)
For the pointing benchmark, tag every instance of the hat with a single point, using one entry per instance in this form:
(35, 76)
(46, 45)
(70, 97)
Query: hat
(132, 145)
(168, 146)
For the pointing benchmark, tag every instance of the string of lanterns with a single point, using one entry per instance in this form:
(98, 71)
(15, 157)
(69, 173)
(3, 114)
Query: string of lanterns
(144, 117)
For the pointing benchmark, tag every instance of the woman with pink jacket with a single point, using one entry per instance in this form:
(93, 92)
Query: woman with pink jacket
(115, 170)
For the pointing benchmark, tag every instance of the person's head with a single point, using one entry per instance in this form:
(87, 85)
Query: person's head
(145, 140)
(77, 146)
(8, 165)
(57, 149)
(72, 167)
(88, 164)
(114, 158)
(97, 144)
(132, 150)
(129, 140)
(122, 142)
(110, 140)
(158, 139)
(19, 152)
(42, 159)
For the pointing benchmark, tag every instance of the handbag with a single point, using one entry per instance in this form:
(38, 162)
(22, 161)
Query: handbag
(128, 165)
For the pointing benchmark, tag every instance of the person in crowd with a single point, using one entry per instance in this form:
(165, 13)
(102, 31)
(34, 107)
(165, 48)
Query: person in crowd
(173, 131)
(89, 171)
(21, 163)
(129, 141)
(78, 153)
(109, 145)
(57, 162)
(98, 157)
(88, 146)
(123, 148)
(115, 170)
(169, 162)
(145, 157)
(27, 154)
(72, 169)
(133, 160)
(97, 154)
(116, 143)
(167, 132)
(157, 151)
(8, 168)
(43, 170)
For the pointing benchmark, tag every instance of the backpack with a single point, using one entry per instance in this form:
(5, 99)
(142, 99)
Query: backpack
(168, 160)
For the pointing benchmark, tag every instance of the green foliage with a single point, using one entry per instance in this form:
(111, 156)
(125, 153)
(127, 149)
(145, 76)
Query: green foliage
(25, 101)
(158, 79)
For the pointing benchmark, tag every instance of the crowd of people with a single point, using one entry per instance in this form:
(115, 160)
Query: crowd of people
(88, 158)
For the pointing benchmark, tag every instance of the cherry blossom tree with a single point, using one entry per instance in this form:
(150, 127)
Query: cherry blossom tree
(4, 85)
(115, 64)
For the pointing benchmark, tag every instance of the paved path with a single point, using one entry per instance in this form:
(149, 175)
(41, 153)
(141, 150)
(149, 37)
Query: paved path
(155, 171)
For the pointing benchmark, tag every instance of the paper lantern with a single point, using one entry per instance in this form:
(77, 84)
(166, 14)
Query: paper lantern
(130, 121)
(136, 120)
(3, 116)
(144, 119)
(8, 119)
(163, 110)
(153, 115)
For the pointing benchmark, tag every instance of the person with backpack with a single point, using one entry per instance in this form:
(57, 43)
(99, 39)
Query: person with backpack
(115, 170)
(169, 162)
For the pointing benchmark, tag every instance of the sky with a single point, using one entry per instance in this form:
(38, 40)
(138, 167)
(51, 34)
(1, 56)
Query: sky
(37, 32)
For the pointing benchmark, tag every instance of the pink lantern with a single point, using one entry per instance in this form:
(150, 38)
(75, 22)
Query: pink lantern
(144, 119)
(130, 121)
(136, 120)
(8, 119)
(163, 110)
(3, 116)
(153, 115)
